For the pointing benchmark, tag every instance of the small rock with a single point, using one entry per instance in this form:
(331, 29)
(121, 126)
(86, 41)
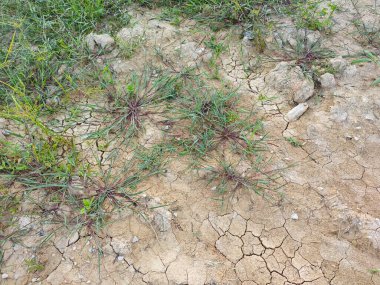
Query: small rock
(290, 81)
(73, 239)
(305, 92)
(120, 258)
(294, 216)
(25, 222)
(135, 239)
(248, 35)
(328, 80)
(339, 64)
(295, 113)
(34, 279)
(103, 41)
(350, 72)
(162, 221)
(338, 114)
(6, 132)
(4, 276)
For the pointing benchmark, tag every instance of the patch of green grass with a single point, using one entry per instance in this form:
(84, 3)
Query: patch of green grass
(215, 121)
(313, 15)
(172, 14)
(217, 49)
(36, 44)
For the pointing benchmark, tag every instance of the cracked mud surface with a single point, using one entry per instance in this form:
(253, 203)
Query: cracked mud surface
(324, 229)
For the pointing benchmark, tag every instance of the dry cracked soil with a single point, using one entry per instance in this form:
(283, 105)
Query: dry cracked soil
(323, 229)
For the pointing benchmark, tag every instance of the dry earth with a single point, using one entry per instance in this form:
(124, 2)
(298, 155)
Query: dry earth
(323, 229)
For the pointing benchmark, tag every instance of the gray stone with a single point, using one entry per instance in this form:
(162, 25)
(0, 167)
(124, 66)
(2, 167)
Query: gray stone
(294, 216)
(350, 72)
(25, 222)
(104, 41)
(295, 113)
(73, 238)
(305, 92)
(328, 80)
(339, 64)
(135, 239)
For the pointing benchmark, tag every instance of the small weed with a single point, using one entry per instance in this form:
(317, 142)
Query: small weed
(217, 49)
(128, 48)
(374, 270)
(293, 141)
(33, 265)
(229, 177)
(153, 160)
(172, 15)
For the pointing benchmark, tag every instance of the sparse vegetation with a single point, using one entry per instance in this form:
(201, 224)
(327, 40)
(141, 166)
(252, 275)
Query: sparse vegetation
(86, 133)
(369, 57)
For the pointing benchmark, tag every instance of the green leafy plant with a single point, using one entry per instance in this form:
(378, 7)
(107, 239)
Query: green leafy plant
(311, 15)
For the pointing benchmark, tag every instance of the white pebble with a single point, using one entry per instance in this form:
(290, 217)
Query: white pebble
(135, 239)
(4, 275)
(295, 113)
(294, 216)
(120, 258)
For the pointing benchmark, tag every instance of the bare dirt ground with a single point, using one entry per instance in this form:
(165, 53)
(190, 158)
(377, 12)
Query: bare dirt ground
(323, 229)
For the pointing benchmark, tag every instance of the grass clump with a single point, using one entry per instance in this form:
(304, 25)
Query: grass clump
(215, 122)
(140, 100)
(228, 177)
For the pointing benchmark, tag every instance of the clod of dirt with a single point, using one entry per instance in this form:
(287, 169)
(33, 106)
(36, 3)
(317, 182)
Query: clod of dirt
(120, 246)
(291, 82)
(291, 36)
(295, 113)
(328, 80)
(160, 216)
(103, 41)
(339, 64)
